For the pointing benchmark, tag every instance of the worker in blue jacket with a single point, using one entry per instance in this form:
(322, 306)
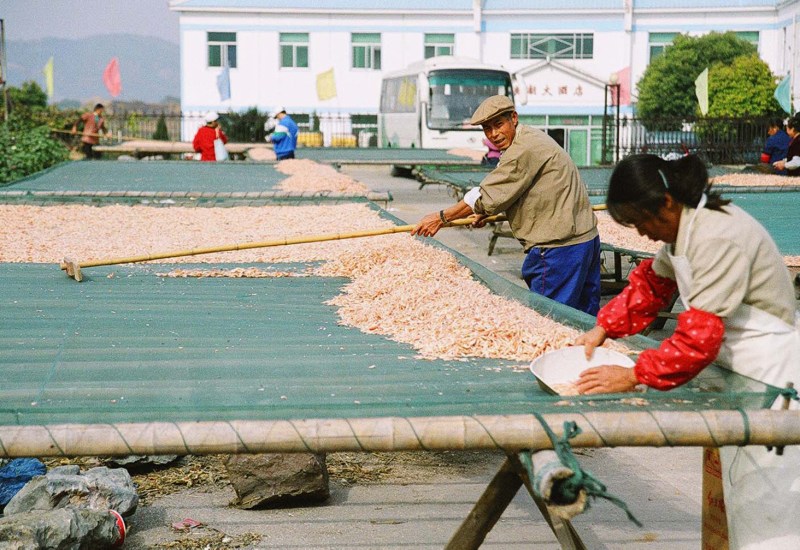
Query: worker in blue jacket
(282, 133)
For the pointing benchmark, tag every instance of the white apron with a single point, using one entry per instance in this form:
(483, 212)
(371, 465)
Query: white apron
(762, 489)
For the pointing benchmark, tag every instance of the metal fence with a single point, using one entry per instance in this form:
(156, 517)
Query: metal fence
(717, 140)
(317, 129)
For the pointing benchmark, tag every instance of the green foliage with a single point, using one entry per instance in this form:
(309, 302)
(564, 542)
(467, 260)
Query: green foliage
(667, 87)
(745, 87)
(161, 132)
(245, 127)
(26, 148)
(29, 95)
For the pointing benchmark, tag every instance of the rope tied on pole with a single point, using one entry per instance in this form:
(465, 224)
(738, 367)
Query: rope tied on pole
(569, 489)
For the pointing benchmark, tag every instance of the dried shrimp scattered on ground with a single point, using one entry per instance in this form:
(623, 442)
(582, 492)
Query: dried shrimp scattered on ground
(754, 180)
(309, 176)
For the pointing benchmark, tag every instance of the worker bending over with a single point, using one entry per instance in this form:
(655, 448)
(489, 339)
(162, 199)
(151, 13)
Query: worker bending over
(539, 189)
(740, 311)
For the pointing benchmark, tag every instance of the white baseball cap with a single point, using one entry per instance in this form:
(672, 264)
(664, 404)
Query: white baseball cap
(211, 116)
(277, 110)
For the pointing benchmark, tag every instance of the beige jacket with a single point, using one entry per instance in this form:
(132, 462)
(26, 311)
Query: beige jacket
(538, 187)
(733, 260)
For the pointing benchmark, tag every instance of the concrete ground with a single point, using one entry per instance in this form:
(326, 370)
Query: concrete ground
(423, 505)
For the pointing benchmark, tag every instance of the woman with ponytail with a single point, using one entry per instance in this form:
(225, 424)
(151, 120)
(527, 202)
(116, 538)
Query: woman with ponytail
(740, 311)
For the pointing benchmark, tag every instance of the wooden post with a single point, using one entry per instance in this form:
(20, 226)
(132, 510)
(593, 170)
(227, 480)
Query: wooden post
(484, 515)
(714, 529)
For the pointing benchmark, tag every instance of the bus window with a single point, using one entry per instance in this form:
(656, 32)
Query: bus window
(456, 93)
(399, 95)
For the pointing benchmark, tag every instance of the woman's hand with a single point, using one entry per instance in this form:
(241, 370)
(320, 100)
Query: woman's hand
(428, 226)
(607, 379)
(590, 340)
(779, 164)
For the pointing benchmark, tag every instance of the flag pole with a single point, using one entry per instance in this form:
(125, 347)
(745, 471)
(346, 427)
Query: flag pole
(3, 68)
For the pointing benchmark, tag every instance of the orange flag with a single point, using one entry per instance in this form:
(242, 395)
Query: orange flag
(111, 77)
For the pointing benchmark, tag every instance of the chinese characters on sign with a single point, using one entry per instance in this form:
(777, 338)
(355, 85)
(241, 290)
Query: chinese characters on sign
(546, 90)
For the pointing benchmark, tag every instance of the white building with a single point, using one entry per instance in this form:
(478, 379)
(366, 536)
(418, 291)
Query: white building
(564, 53)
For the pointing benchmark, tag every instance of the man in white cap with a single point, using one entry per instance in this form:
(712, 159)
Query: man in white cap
(204, 139)
(538, 187)
(282, 132)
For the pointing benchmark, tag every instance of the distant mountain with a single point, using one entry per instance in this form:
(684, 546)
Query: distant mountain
(150, 67)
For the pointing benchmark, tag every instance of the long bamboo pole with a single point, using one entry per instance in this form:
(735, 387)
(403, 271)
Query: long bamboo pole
(511, 433)
(73, 268)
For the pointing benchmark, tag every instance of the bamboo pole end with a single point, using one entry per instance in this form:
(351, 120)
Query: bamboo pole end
(72, 268)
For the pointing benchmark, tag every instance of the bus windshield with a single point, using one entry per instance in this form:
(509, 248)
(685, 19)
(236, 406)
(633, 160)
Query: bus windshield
(456, 93)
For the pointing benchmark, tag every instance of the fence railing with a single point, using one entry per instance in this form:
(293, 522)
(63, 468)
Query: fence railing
(717, 140)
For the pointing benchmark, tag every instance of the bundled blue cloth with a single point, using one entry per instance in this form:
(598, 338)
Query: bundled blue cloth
(15, 474)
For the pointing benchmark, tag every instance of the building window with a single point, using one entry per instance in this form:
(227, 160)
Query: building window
(366, 50)
(749, 36)
(660, 41)
(222, 49)
(294, 49)
(554, 46)
(439, 44)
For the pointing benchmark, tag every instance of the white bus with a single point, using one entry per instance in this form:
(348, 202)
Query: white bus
(428, 105)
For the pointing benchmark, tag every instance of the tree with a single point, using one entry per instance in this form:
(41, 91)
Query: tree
(745, 87)
(30, 95)
(667, 87)
(161, 132)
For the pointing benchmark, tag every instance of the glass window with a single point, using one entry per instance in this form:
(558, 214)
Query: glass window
(554, 46)
(456, 93)
(749, 36)
(366, 50)
(221, 49)
(439, 44)
(660, 41)
(294, 49)
(399, 95)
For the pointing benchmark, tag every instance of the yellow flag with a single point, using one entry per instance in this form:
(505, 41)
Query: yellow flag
(48, 77)
(326, 86)
(701, 89)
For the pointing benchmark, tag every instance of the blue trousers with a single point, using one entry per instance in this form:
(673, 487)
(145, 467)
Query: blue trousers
(567, 274)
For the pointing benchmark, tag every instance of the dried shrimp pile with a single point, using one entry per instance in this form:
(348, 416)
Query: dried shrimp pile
(473, 154)
(754, 180)
(87, 233)
(401, 288)
(623, 237)
(626, 237)
(309, 176)
(422, 296)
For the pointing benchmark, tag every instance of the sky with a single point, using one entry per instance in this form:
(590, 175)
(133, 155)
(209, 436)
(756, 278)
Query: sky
(36, 19)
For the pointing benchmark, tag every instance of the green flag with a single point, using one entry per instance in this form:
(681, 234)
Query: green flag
(701, 89)
(48, 77)
(783, 93)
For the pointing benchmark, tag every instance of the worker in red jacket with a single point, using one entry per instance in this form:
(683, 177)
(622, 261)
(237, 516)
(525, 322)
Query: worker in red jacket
(204, 139)
(740, 311)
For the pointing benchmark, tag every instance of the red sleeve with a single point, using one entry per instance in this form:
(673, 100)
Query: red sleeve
(692, 347)
(764, 157)
(223, 137)
(638, 304)
(196, 143)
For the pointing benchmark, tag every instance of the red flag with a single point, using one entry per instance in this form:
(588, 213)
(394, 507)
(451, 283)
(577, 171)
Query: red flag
(111, 77)
(624, 80)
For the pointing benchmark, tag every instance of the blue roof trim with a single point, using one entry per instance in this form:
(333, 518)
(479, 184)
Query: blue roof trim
(271, 27)
(466, 5)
